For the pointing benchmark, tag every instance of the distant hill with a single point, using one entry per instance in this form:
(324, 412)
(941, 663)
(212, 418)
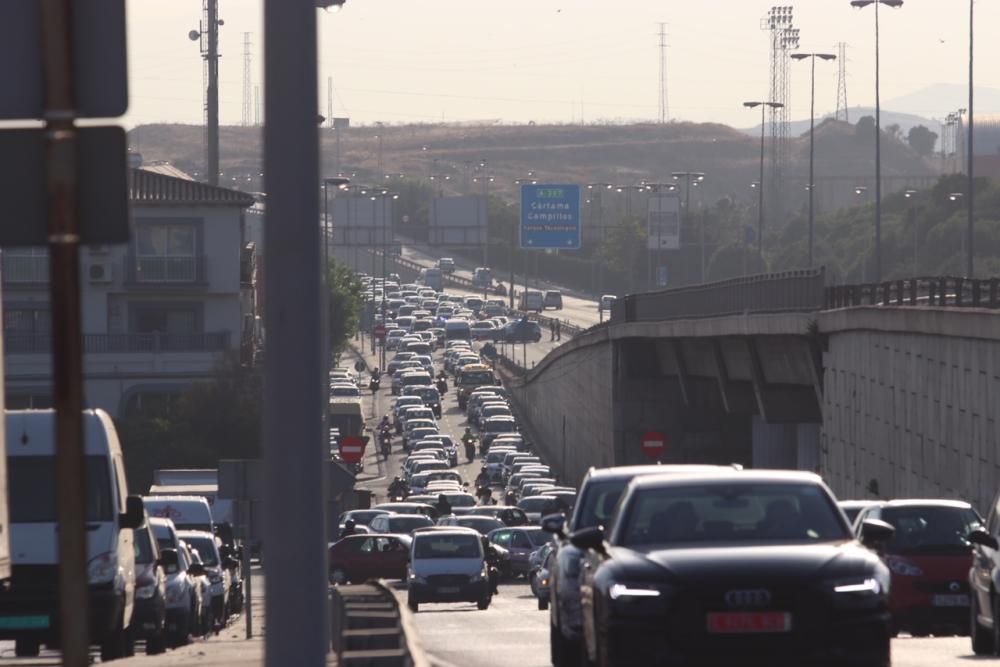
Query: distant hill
(905, 121)
(619, 154)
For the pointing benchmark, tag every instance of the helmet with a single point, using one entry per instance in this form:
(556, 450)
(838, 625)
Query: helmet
(468, 430)
(396, 479)
(350, 524)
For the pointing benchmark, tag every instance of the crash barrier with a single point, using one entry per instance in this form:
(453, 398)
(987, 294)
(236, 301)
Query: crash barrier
(937, 291)
(791, 291)
(369, 628)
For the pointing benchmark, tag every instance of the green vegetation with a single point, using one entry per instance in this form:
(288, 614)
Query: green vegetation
(346, 302)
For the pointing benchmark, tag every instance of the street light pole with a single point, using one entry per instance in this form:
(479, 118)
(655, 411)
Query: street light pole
(764, 106)
(895, 4)
(698, 178)
(812, 138)
(970, 231)
(913, 225)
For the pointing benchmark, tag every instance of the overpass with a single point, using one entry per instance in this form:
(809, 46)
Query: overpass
(887, 390)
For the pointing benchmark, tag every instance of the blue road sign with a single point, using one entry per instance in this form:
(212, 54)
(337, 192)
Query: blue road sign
(550, 216)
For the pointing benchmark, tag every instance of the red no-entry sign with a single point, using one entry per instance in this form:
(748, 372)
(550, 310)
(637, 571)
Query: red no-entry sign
(379, 331)
(654, 444)
(352, 448)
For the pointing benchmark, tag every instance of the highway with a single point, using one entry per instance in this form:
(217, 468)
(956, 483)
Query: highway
(513, 632)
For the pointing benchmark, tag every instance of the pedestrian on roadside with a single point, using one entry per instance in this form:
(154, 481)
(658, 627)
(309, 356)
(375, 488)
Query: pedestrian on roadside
(552, 330)
(558, 329)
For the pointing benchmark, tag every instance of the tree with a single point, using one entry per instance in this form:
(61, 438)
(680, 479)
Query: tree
(894, 131)
(865, 128)
(922, 140)
(346, 299)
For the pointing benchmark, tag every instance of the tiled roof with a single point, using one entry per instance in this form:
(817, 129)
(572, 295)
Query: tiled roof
(147, 187)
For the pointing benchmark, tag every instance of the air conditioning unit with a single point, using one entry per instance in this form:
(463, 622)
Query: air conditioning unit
(99, 272)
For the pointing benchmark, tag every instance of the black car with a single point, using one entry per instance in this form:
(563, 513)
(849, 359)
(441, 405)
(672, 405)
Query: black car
(984, 582)
(756, 568)
(520, 331)
(599, 494)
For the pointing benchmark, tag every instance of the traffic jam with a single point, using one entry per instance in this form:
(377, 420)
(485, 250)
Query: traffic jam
(641, 565)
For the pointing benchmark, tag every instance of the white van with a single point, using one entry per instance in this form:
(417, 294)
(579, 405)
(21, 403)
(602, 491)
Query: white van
(457, 330)
(29, 607)
(455, 555)
(430, 278)
(187, 512)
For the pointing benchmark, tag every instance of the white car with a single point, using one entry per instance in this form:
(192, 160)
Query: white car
(456, 553)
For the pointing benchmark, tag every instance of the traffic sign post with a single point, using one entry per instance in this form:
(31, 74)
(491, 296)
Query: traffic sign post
(654, 444)
(352, 448)
(550, 217)
(379, 331)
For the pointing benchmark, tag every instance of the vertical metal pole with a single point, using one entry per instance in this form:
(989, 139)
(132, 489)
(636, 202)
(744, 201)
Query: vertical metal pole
(878, 158)
(812, 154)
(385, 249)
(513, 245)
(760, 193)
(294, 458)
(212, 94)
(970, 249)
(67, 352)
(372, 253)
(248, 581)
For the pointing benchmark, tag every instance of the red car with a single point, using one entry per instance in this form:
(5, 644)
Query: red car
(929, 557)
(358, 558)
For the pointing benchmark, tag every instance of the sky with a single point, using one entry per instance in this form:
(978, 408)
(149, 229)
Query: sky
(515, 61)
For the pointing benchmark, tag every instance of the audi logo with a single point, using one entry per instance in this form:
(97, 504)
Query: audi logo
(757, 597)
(954, 587)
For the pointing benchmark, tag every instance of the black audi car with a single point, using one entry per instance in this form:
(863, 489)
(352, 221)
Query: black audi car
(759, 568)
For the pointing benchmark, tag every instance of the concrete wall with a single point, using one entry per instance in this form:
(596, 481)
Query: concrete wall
(570, 409)
(910, 401)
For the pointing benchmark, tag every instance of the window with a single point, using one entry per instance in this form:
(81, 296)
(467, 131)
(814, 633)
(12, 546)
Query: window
(34, 321)
(32, 489)
(165, 320)
(166, 252)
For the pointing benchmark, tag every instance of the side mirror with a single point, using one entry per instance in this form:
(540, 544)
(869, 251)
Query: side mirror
(588, 538)
(197, 570)
(875, 533)
(169, 560)
(982, 538)
(554, 523)
(134, 515)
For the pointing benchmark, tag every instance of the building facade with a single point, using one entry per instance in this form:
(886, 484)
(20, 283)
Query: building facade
(158, 313)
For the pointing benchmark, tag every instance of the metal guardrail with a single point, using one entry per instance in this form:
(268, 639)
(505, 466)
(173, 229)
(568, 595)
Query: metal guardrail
(938, 291)
(793, 291)
(369, 627)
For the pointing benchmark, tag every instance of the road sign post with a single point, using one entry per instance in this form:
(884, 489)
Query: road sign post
(352, 448)
(379, 331)
(550, 217)
(654, 444)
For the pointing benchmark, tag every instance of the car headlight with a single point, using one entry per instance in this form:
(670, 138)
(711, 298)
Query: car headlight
(414, 579)
(145, 592)
(175, 591)
(102, 569)
(903, 567)
(634, 591)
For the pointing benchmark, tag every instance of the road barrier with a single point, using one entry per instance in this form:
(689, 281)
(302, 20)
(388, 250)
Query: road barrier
(369, 628)
(937, 291)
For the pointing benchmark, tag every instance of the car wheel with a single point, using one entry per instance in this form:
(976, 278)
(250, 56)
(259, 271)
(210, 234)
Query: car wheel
(565, 653)
(543, 604)
(338, 577)
(484, 603)
(26, 648)
(413, 605)
(156, 645)
(982, 639)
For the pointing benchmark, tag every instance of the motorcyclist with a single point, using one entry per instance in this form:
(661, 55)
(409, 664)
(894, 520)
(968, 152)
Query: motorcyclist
(442, 505)
(397, 488)
(510, 498)
(348, 529)
(483, 478)
(492, 559)
(374, 383)
(385, 424)
(442, 384)
(469, 441)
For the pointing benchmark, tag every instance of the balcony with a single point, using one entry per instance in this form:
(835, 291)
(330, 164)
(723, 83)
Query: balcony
(25, 271)
(217, 341)
(165, 272)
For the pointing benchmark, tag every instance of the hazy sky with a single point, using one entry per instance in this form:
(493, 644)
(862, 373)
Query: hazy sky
(560, 60)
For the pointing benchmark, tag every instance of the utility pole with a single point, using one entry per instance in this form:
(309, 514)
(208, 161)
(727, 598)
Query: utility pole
(329, 101)
(664, 108)
(211, 57)
(971, 197)
(246, 116)
(784, 38)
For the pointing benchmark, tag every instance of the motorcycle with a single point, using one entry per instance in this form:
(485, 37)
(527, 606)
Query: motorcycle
(374, 384)
(470, 450)
(442, 386)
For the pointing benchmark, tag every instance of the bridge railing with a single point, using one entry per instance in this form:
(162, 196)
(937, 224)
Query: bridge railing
(936, 291)
(792, 291)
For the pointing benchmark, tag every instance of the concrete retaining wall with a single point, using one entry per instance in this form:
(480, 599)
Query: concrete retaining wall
(909, 408)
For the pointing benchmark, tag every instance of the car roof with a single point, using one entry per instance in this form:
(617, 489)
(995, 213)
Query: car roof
(723, 476)
(856, 504)
(627, 472)
(445, 530)
(926, 502)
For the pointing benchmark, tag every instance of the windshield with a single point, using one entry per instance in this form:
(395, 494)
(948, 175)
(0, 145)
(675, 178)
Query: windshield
(536, 504)
(206, 549)
(470, 378)
(405, 524)
(538, 536)
(447, 546)
(481, 524)
(32, 489)
(736, 513)
(500, 426)
(930, 529)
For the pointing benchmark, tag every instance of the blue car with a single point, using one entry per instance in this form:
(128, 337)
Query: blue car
(521, 331)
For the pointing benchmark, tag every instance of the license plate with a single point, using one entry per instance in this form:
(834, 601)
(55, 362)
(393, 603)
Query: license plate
(749, 622)
(950, 601)
(448, 589)
(24, 622)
